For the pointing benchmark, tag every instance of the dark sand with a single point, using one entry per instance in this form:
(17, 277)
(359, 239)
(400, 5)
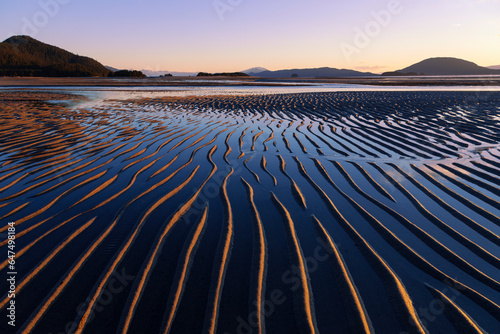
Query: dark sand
(290, 213)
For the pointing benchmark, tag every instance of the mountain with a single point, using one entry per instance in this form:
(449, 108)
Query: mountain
(254, 70)
(444, 66)
(323, 72)
(129, 74)
(25, 56)
(496, 67)
(112, 69)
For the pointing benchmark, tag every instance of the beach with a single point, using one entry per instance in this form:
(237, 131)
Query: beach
(329, 206)
(387, 81)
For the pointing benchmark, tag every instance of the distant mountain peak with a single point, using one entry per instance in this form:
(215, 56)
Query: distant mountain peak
(444, 66)
(19, 38)
(255, 70)
(321, 72)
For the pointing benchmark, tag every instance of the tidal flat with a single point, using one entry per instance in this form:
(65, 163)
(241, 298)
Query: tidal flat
(324, 208)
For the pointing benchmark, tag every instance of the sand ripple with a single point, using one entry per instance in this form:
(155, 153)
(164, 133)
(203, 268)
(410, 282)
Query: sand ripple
(354, 212)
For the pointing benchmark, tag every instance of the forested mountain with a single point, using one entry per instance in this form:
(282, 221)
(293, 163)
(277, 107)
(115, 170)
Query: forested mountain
(25, 56)
(444, 66)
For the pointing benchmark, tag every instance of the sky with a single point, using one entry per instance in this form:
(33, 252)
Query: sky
(233, 35)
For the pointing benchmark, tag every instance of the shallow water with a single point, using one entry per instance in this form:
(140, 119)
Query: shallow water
(403, 183)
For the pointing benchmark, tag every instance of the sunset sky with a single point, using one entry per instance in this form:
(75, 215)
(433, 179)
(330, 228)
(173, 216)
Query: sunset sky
(233, 35)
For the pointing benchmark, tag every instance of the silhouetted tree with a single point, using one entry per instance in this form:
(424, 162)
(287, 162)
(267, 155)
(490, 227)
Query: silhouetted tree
(129, 74)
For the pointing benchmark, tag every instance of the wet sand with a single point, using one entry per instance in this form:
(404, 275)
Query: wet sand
(322, 212)
(250, 81)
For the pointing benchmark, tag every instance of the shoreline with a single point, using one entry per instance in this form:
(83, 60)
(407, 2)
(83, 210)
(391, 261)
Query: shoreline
(485, 81)
(348, 203)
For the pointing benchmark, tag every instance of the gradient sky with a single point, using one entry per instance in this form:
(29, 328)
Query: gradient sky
(233, 35)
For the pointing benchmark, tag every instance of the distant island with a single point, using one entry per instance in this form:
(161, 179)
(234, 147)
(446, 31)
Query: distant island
(24, 56)
(321, 72)
(443, 66)
(233, 74)
(127, 73)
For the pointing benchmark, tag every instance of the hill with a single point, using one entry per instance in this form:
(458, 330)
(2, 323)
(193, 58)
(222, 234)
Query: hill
(496, 67)
(25, 56)
(323, 72)
(151, 73)
(253, 70)
(444, 66)
(128, 74)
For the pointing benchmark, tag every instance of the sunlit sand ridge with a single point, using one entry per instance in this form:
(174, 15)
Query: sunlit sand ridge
(342, 212)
